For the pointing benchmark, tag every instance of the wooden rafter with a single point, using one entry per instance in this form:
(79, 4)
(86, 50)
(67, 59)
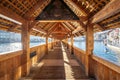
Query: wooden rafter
(49, 26)
(110, 9)
(82, 25)
(32, 25)
(13, 28)
(70, 2)
(38, 29)
(41, 4)
(52, 29)
(65, 26)
(7, 13)
(100, 27)
(66, 30)
(69, 25)
(113, 26)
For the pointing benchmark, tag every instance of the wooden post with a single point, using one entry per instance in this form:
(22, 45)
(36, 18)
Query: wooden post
(46, 44)
(52, 43)
(89, 47)
(67, 43)
(72, 41)
(25, 58)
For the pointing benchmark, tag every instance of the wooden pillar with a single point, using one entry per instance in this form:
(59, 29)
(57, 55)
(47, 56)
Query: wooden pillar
(25, 58)
(67, 43)
(72, 41)
(52, 43)
(47, 44)
(89, 47)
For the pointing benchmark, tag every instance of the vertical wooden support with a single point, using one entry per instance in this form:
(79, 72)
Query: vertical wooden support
(52, 43)
(25, 58)
(72, 42)
(67, 43)
(89, 47)
(46, 44)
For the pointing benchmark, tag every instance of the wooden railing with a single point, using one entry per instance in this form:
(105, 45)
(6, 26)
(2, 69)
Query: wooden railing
(99, 68)
(11, 64)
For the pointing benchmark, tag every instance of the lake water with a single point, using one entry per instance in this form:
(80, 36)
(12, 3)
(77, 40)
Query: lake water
(102, 51)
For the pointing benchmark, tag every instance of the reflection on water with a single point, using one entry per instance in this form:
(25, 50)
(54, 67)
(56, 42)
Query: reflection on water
(102, 51)
(6, 47)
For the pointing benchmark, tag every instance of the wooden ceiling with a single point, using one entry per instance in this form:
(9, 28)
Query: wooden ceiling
(103, 14)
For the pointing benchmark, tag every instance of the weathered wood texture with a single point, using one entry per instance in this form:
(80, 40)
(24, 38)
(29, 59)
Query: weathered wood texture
(11, 63)
(72, 43)
(101, 69)
(110, 9)
(89, 47)
(104, 70)
(25, 59)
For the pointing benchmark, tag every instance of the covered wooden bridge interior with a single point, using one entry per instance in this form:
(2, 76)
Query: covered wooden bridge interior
(59, 20)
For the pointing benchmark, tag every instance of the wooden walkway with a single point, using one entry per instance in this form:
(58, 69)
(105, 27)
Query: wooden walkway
(58, 64)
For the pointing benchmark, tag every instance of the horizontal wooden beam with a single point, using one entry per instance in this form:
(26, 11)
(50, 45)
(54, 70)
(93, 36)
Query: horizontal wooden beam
(38, 29)
(11, 16)
(110, 9)
(57, 20)
(61, 32)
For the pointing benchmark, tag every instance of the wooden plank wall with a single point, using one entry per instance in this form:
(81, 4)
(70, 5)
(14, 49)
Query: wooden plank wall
(11, 66)
(101, 69)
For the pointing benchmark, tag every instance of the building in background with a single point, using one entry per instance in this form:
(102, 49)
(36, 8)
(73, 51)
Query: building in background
(114, 37)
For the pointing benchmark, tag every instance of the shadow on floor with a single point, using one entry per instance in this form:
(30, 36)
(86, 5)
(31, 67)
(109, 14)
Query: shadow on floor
(57, 65)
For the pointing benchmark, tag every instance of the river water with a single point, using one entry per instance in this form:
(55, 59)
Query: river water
(100, 49)
(7, 47)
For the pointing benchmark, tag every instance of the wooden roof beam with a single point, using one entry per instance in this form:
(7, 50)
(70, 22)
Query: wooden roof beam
(110, 9)
(53, 29)
(78, 7)
(76, 30)
(39, 30)
(33, 9)
(11, 16)
(113, 26)
(100, 27)
(82, 25)
(13, 27)
(32, 25)
(68, 24)
(47, 26)
(65, 26)
(66, 30)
